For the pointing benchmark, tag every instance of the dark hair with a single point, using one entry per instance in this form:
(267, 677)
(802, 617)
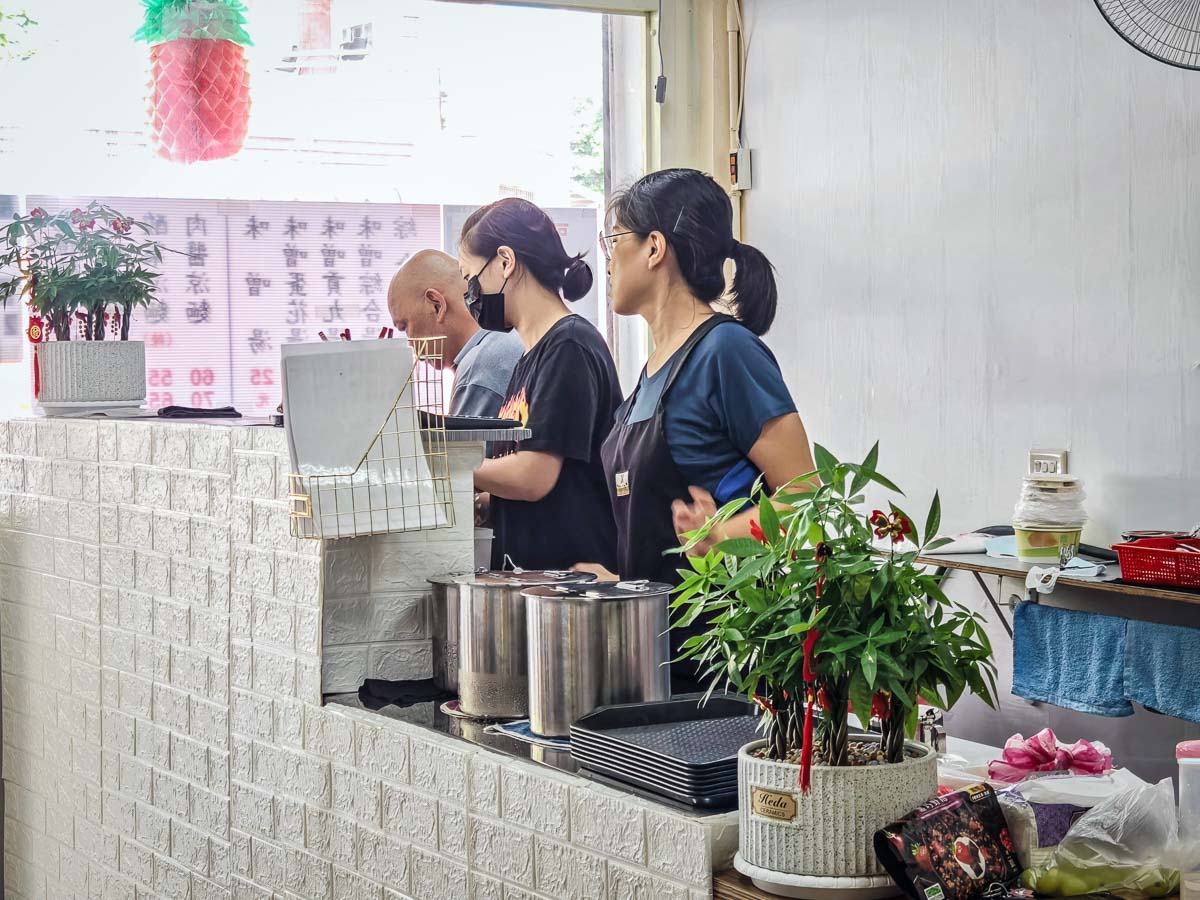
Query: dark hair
(519, 224)
(695, 215)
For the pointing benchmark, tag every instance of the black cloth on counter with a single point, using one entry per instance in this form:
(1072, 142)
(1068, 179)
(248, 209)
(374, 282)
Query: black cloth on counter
(376, 693)
(195, 412)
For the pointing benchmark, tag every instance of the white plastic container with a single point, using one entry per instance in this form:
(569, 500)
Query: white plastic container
(1188, 755)
(483, 547)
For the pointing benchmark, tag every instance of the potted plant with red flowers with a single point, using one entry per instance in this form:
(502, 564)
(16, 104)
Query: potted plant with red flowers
(824, 609)
(82, 274)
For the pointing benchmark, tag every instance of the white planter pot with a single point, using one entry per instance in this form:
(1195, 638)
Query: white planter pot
(92, 372)
(833, 824)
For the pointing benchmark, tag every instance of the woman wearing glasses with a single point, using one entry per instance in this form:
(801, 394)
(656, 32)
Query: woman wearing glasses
(711, 412)
(549, 503)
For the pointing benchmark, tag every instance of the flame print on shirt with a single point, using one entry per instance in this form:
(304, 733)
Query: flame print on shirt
(516, 407)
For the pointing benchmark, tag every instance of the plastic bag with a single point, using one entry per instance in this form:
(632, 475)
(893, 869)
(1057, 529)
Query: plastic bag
(1040, 811)
(1125, 845)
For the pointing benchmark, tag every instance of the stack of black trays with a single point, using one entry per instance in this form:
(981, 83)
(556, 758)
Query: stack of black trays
(673, 749)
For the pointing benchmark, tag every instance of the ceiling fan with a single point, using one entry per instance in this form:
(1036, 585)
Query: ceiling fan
(1167, 30)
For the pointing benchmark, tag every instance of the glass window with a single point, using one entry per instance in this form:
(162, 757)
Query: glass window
(375, 126)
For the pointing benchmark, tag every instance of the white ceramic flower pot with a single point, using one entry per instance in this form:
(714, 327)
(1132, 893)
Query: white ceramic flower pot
(91, 373)
(827, 831)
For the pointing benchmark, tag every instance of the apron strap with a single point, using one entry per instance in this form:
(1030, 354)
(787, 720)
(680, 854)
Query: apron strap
(625, 410)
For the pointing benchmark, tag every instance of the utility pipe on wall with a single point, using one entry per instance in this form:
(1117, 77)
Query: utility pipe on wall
(733, 29)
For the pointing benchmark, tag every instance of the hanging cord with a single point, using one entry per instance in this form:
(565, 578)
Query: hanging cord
(660, 86)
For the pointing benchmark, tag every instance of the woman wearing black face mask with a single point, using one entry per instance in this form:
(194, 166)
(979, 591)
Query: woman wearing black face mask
(549, 504)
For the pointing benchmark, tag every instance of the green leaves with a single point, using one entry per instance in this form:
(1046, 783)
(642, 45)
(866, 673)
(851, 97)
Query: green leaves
(742, 547)
(934, 520)
(826, 462)
(870, 664)
(866, 470)
(884, 622)
(84, 260)
(768, 519)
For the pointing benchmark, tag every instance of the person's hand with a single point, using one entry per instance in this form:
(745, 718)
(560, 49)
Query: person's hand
(483, 509)
(601, 573)
(689, 517)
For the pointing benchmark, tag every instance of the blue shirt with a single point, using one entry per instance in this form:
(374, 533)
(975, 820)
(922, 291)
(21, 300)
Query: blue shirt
(728, 389)
(482, 371)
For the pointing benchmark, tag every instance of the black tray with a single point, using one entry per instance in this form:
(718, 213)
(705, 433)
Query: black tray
(641, 769)
(715, 802)
(465, 423)
(676, 730)
(656, 766)
(609, 747)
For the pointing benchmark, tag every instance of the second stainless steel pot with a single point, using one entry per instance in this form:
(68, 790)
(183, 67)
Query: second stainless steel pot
(443, 614)
(595, 645)
(493, 659)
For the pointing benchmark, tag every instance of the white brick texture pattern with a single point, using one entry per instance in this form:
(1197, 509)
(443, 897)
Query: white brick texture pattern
(161, 641)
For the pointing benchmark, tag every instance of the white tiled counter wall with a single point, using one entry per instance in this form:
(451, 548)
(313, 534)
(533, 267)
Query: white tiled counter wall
(160, 635)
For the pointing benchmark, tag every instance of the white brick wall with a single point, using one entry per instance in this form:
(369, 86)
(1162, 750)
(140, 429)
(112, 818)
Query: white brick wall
(376, 617)
(160, 642)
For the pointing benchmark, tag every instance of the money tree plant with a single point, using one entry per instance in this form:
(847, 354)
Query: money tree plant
(825, 609)
(86, 269)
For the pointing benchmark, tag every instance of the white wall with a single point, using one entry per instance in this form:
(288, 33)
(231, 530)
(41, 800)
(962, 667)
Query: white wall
(160, 653)
(986, 218)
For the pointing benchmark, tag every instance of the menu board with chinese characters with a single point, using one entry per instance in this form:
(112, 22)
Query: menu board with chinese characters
(300, 270)
(239, 279)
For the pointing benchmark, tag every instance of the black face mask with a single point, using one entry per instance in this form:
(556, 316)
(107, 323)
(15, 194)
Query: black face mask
(486, 309)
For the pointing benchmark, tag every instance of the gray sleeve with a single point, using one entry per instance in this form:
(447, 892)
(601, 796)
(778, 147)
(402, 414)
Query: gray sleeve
(475, 400)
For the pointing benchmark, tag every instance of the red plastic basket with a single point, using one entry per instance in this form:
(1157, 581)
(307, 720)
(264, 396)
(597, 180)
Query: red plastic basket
(1160, 561)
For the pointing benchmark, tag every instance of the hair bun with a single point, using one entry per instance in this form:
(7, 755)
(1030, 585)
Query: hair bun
(577, 280)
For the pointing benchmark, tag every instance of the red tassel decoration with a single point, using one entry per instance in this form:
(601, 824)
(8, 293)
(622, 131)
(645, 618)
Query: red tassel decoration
(35, 332)
(807, 752)
(810, 641)
(810, 677)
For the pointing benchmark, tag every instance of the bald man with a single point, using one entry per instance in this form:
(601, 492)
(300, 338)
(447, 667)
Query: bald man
(425, 300)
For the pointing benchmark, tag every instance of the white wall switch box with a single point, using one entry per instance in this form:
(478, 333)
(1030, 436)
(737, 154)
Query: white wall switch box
(1047, 462)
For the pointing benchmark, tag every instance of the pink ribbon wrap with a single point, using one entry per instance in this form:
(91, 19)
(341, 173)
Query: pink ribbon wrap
(1023, 757)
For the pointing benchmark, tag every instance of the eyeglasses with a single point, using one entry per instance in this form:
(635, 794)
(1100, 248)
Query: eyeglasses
(608, 241)
(471, 294)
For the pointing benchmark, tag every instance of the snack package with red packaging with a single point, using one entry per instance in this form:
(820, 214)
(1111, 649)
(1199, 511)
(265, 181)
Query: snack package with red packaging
(956, 847)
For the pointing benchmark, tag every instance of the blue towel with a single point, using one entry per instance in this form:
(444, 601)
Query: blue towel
(1159, 668)
(1071, 659)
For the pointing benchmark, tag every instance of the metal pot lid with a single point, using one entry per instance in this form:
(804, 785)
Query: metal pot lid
(527, 578)
(457, 578)
(621, 590)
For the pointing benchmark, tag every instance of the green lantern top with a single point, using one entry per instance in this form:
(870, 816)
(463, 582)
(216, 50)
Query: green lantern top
(166, 20)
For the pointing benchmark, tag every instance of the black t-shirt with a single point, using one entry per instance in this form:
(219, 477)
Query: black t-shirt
(565, 391)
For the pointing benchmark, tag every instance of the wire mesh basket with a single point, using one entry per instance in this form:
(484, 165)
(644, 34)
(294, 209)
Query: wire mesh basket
(401, 480)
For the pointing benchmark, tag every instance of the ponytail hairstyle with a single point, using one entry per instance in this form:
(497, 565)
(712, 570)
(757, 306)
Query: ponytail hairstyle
(695, 215)
(524, 227)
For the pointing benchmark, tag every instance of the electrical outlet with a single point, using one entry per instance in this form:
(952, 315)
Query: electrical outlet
(1047, 462)
(740, 177)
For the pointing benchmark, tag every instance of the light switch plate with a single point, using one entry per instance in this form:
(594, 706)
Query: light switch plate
(1047, 462)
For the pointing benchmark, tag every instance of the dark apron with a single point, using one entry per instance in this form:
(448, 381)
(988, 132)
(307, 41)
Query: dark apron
(643, 481)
